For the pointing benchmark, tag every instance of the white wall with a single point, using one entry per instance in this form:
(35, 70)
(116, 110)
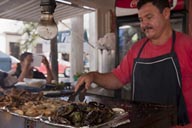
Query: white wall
(11, 37)
(6, 38)
(2, 43)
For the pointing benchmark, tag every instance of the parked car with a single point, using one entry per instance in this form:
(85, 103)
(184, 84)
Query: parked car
(63, 68)
(14, 62)
(5, 60)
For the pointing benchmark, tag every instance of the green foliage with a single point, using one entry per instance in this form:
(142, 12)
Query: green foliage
(29, 35)
(77, 75)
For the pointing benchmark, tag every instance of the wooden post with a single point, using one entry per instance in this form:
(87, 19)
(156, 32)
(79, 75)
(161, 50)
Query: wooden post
(53, 58)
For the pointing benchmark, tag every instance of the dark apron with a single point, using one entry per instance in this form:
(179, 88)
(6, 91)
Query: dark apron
(158, 80)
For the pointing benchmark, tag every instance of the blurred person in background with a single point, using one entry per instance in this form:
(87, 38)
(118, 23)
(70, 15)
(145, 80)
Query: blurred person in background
(25, 69)
(6, 79)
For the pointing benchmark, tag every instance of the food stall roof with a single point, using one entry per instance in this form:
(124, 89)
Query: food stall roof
(29, 10)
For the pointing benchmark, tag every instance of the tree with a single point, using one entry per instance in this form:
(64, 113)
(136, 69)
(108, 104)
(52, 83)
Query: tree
(29, 36)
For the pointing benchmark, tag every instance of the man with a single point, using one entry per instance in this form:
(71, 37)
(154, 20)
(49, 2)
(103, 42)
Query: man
(26, 70)
(159, 66)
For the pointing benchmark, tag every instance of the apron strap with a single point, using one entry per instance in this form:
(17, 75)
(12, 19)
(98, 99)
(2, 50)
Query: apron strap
(173, 41)
(141, 49)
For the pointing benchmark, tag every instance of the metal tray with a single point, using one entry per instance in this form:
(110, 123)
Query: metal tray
(118, 120)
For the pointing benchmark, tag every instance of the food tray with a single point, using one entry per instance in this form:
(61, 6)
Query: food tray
(138, 115)
(119, 119)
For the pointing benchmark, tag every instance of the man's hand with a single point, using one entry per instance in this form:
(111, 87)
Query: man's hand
(87, 79)
(105, 80)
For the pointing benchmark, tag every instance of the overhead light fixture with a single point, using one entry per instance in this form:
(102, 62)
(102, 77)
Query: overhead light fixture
(65, 2)
(86, 7)
(47, 27)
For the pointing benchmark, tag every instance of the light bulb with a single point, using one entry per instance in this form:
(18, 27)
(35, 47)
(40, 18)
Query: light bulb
(47, 28)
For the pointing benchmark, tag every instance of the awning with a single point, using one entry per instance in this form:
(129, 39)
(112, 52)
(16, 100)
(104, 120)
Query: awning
(29, 10)
(128, 7)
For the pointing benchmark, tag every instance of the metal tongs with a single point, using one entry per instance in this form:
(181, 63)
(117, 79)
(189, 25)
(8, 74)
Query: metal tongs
(80, 93)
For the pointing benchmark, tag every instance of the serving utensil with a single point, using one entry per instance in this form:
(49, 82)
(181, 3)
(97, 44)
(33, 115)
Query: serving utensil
(80, 93)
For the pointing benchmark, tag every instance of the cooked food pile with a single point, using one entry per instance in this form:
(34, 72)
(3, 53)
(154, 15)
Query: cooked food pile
(26, 103)
(35, 106)
(83, 114)
(17, 97)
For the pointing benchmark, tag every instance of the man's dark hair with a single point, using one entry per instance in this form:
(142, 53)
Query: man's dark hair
(160, 4)
(24, 55)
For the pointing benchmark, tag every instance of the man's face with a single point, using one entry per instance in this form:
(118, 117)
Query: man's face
(152, 22)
